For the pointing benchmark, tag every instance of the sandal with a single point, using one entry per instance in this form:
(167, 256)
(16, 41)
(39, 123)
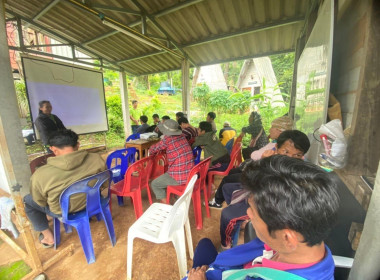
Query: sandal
(44, 245)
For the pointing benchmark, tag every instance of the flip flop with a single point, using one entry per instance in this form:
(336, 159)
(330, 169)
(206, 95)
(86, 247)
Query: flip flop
(44, 245)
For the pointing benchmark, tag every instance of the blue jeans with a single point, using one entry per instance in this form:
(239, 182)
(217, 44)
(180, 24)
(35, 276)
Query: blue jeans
(37, 214)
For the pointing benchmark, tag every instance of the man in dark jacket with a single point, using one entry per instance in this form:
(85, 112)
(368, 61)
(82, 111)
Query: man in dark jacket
(47, 122)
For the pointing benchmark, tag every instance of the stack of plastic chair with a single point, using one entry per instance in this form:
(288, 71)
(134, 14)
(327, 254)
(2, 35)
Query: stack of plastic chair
(163, 223)
(160, 165)
(197, 151)
(133, 137)
(200, 169)
(136, 178)
(118, 162)
(96, 204)
(235, 161)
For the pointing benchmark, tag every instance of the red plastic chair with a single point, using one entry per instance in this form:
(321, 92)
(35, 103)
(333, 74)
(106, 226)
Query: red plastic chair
(136, 178)
(200, 169)
(160, 165)
(235, 161)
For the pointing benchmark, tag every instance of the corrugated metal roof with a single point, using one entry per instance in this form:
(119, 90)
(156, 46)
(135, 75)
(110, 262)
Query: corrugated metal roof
(207, 32)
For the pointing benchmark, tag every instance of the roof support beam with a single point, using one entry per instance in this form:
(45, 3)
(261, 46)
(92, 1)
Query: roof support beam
(245, 57)
(253, 29)
(60, 57)
(47, 45)
(140, 56)
(116, 9)
(159, 27)
(62, 38)
(164, 12)
(46, 9)
(227, 35)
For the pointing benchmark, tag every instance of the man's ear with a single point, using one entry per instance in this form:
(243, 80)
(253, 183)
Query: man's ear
(55, 150)
(77, 146)
(290, 239)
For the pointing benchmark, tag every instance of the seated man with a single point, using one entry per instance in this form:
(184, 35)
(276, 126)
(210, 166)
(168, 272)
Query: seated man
(180, 158)
(179, 115)
(144, 126)
(49, 181)
(226, 133)
(212, 147)
(293, 206)
(189, 131)
(290, 143)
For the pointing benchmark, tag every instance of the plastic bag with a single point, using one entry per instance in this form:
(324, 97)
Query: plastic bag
(334, 144)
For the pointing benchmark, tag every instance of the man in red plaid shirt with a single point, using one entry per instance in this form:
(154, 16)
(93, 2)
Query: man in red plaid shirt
(180, 158)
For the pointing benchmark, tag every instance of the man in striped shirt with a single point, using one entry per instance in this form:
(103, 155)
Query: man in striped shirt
(179, 155)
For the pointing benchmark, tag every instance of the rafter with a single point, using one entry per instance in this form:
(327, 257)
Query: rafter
(115, 9)
(45, 9)
(159, 27)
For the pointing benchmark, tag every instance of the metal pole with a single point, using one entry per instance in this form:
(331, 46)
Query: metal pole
(366, 262)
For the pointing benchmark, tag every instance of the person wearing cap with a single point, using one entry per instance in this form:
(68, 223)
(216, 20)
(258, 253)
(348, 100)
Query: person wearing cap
(226, 133)
(179, 155)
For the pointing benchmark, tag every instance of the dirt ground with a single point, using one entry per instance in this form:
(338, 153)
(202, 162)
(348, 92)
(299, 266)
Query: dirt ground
(150, 261)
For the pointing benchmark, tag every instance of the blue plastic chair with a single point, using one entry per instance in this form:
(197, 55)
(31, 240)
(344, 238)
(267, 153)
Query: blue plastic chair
(95, 205)
(197, 151)
(133, 137)
(118, 162)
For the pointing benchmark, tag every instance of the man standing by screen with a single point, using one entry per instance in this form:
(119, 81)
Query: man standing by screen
(134, 115)
(46, 122)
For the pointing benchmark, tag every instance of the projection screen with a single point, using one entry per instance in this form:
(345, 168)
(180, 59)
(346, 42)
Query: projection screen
(75, 92)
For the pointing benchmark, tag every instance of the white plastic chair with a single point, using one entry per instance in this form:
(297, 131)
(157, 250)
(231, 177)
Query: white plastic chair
(162, 223)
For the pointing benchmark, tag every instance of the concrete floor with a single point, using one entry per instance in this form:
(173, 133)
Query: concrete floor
(150, 261)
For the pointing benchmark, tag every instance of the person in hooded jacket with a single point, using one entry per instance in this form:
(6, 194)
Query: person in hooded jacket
(46, 122)
(49, 181)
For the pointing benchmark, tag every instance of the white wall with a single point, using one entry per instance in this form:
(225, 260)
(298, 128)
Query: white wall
(3, 178)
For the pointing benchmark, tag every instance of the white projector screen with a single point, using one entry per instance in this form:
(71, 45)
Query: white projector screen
(75, 93)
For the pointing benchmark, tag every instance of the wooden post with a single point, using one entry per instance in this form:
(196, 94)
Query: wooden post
(366, 262)
(185, 88)
(125, 103)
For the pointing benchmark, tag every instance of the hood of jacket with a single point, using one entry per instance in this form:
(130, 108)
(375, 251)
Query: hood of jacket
(69, 161)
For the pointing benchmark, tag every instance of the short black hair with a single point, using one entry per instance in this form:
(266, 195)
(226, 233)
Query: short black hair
(42, 102)
(144, 119)
(300, 140)
(211, 115)
(292, 194)
(179, 114)
(155, 116)
(134, 101)
(182, 120)
(166, 118)
(206, 126)
(63, 138)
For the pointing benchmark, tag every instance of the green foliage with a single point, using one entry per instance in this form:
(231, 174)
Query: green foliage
(283, 68)
(22, 99)
(115, 114)
(201, 94)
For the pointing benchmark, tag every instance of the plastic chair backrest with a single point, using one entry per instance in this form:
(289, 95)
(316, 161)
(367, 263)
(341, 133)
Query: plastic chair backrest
(160, 165)
(138, 174)
(93, 196)
(119, 160)
(133, 137)
(179, 212)
(38, 162)
(229, 145)
(197, 151)
(235, 156)
(203, 169)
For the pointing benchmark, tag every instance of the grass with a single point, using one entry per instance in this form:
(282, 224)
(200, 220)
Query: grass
(14, 271)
